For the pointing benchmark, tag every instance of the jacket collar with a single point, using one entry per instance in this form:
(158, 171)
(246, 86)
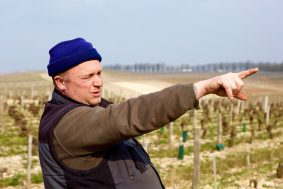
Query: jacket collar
(58, 98)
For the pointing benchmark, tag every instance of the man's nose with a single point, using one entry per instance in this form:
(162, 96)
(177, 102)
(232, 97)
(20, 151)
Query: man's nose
(97, 81)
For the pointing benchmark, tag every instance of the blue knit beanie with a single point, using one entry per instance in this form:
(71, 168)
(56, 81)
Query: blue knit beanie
(68, 54)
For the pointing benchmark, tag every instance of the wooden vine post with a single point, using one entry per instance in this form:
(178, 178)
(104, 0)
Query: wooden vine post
(269, 129)
(196, 169)
(268, 125)
(265, 103)
(248, 161)
(29, 162)
(267, 113)
(145, 142)
(238, 106)
(231, 115)
(252, 137)
(214, 171)
(22, 103)
(32, 92)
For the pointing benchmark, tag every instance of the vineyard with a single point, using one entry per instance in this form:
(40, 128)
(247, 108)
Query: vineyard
(224, 144)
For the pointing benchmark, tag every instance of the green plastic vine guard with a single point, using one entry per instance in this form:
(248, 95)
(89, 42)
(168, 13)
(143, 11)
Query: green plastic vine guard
(181, 152)
(161, 130)
(219, 146)
(185, 136)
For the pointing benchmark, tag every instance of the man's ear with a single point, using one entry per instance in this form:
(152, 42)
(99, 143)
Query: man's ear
(59, 83)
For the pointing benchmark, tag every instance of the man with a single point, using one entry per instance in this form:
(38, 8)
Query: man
(87, 142)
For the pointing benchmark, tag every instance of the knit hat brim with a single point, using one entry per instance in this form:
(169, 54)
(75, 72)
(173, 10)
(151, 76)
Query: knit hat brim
(72, 60)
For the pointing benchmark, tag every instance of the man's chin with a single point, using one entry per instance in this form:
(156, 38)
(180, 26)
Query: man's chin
(95, 101)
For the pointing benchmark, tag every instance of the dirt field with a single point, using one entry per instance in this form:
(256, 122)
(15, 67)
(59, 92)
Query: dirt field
(258, 85)
(132, 84)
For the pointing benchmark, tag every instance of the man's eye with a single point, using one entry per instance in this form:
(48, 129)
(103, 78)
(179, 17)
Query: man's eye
(87, 77)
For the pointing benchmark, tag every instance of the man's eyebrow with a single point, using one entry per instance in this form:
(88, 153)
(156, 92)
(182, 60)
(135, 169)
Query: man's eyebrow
(85, 74)
(89, 74)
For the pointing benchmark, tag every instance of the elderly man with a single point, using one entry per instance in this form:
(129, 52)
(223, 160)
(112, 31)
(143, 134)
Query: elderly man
(88, 142)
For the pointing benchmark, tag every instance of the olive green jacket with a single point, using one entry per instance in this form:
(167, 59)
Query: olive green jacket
(85, 129)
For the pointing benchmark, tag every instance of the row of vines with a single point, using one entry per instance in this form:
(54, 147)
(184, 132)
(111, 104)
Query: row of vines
(233, 135)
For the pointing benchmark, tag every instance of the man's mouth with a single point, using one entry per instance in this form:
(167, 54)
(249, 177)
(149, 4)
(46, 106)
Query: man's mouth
(96, 94)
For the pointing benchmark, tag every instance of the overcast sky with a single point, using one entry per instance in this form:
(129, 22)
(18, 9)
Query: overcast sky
(130, 31)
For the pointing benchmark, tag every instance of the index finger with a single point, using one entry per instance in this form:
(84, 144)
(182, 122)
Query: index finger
(246, 73)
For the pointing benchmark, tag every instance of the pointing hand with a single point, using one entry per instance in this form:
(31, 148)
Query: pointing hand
(230, 85)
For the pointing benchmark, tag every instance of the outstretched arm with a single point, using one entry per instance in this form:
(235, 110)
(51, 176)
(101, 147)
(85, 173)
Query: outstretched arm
(230, 85)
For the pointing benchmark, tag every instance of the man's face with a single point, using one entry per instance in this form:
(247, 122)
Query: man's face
(84, 83)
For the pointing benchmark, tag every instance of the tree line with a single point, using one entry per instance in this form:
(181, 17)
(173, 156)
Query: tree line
(212, 67)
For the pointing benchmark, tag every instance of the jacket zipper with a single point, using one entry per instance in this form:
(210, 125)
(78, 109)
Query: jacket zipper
(150, 163)
(127, 166)
(153, 167)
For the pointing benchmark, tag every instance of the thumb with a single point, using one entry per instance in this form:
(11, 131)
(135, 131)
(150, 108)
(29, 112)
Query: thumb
(241, 95)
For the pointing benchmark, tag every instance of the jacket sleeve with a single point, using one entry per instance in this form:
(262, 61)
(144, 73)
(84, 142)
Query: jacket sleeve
(85, 130)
